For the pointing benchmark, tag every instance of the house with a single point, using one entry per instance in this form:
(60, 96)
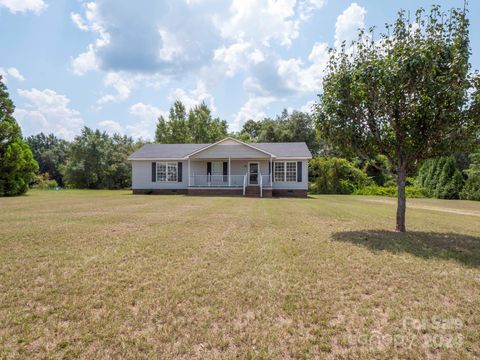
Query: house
(227, 167)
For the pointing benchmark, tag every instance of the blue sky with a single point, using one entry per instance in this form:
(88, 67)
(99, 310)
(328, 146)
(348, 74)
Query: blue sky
(118, 65)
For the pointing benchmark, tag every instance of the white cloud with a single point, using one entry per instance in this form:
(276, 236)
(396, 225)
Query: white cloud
(256, 106)
(122, 83)
(261, 21)
(11, 72)
(88, 60)
(48, 112)
(78, 20)
(111, 127)
(149, 114)
(348, 23)
(255, 109)
(237, 56)
(300, 78)
(85, 62)
(170, 46)
(14, 6)
(308, 107)
(308, 7)
(193, 97)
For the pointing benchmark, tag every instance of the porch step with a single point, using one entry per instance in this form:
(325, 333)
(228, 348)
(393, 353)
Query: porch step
(252, 191)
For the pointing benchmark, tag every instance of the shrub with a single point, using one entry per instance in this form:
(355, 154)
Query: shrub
(441, 178)
(378, 169)
(43, 182)
(471, 190)
(391, 191)
(336, 176)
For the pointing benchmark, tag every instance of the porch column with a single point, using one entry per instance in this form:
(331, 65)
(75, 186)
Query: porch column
(189, 172)
(229, 172)
(271, 171)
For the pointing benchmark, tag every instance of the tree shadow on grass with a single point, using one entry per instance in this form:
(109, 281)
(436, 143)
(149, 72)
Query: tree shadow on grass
(464, 249)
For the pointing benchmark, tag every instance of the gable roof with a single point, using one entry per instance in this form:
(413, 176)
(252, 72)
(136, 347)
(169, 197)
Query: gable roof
(183, 151)
(234, 140)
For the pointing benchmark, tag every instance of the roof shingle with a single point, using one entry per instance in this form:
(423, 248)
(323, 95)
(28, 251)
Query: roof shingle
(180, 151)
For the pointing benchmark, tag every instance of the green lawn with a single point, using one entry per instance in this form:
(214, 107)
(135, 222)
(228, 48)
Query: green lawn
(97, 274)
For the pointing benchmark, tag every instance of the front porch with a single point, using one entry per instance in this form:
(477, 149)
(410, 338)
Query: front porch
(242, 176)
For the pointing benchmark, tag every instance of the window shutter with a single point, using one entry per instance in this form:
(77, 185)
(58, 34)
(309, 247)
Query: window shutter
(209, 168)
(154, 171)
(269, 167)
(299, 171)
(180, 168)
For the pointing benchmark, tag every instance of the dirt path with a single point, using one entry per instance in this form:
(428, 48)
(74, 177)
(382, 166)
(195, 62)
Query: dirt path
(426, 207)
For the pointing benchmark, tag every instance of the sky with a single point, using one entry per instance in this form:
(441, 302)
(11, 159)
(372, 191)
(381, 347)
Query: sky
(118, 65)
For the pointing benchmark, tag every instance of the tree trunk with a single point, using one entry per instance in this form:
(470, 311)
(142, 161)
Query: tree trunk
(401, 201)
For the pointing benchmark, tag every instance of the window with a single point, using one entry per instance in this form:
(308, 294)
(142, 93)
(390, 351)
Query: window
(167, 171)
(291, 171)
(285, 171)
(279, 173)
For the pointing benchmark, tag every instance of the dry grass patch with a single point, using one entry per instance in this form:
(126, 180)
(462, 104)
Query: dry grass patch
(107, 274)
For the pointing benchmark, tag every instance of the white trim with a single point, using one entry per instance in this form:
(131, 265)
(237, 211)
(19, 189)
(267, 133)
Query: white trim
(228, 138)
(258, 173)
(166, 172)
(291, 158)
(271, 171)
(285, 171)
(188, 172)
(157, 159)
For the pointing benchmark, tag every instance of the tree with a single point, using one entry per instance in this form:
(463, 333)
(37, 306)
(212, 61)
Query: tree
(98, 161)
(294, 127)
(252, 128)
(199, 127)
(51, 154)
(17, 166)
(406, 96)
(179, 133)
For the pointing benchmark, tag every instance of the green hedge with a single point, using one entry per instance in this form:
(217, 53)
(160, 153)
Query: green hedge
(336, 176)
(411, 191)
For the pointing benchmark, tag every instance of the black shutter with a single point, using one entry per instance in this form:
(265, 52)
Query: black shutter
(299, 171)
(209, 168)
(154, 172)
(179, 177)
(269, 167)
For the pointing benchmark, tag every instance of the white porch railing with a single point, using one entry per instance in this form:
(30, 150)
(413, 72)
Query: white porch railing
(266, 180)
(217, 180)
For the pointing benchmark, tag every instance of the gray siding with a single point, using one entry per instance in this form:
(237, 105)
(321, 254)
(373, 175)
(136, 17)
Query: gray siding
(303, 185)
(142, 177)
(142, 174)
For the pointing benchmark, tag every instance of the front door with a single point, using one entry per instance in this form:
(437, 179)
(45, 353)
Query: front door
(253, 173)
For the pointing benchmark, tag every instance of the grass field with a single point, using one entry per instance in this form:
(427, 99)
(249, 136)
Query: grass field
(97, 274)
